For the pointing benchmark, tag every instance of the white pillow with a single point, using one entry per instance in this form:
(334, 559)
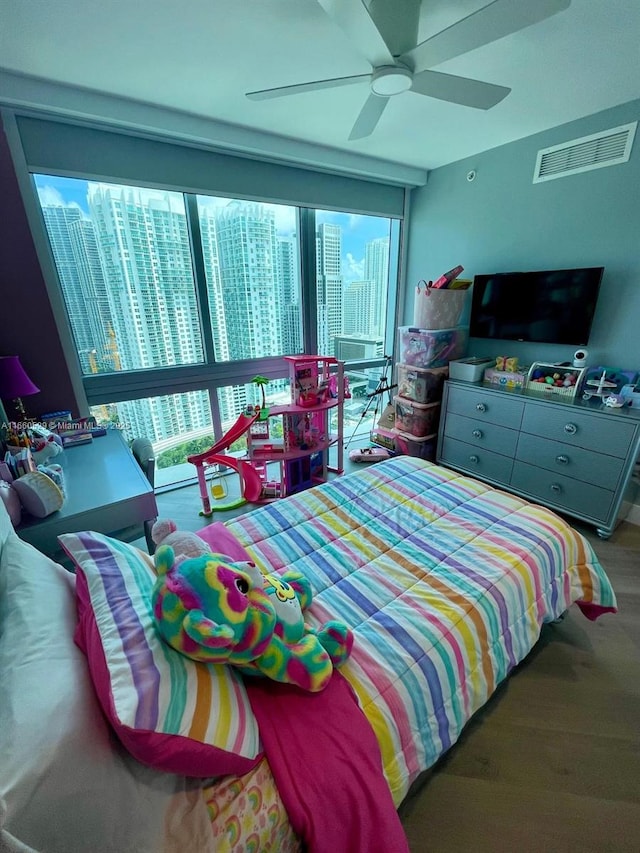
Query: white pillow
(11, 502)
(5, 524)
(67, 784)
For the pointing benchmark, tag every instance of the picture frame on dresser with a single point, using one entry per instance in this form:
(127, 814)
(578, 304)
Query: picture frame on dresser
(566, 453)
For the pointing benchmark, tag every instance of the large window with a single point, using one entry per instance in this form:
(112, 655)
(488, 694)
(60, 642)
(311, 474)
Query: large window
(176, 301)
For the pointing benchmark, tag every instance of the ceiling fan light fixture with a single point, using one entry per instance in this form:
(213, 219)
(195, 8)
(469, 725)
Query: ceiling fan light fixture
(391, 80)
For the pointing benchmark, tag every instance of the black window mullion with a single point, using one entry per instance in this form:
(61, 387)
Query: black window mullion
(396, 248)
(308, 282)
(197, 258)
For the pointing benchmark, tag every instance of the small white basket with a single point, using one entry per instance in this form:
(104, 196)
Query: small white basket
(540, 370)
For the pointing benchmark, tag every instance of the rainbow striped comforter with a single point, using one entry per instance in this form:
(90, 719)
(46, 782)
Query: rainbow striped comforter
(445, 581)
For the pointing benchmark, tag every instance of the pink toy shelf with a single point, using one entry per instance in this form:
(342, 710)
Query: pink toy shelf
(318, 386)
(300, 448)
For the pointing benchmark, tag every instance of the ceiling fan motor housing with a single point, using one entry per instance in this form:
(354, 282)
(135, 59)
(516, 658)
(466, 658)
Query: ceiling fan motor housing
(391, 80)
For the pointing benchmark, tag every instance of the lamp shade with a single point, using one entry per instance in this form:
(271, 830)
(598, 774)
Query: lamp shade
(14, 382)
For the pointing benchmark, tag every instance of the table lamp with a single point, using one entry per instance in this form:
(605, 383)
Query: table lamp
(14, 383)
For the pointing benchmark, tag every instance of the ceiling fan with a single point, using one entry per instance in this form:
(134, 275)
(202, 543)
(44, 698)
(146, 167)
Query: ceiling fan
(385, 32)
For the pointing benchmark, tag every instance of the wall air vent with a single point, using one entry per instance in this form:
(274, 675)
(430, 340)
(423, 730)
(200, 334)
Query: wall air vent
(607, 148)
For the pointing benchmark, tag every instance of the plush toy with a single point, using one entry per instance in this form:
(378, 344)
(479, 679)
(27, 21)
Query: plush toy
(507, 363)
(184, 542)
(45, 449)
(218, 611)
(290, 595)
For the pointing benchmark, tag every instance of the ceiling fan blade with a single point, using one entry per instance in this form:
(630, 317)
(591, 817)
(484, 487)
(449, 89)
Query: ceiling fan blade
(314, 86)
(397, 22)
(458, 90)
(354, 20)
(369, 116)
(498, 19)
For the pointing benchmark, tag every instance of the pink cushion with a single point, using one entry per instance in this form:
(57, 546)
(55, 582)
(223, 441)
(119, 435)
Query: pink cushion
(169, 711)
(221, 541)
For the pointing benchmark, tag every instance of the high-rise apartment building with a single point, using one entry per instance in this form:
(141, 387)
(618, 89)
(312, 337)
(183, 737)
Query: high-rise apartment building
(75, 251)
(144, 249)
(329, 284)
(360, 308)
(289, 295)
(248, 256)
(376, 270)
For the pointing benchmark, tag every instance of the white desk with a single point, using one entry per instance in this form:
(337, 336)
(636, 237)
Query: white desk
(106, 491)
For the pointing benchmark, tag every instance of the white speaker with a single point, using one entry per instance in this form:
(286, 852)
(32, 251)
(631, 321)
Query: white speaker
(580, 358)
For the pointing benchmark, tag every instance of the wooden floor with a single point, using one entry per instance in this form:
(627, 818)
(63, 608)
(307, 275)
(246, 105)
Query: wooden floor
(552, 763)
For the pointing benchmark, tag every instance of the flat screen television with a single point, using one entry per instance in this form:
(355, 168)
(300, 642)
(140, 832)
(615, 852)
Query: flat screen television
(549, 306)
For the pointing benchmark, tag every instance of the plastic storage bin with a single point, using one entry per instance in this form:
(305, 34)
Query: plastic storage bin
(421, 384)
(431, 347)
(416, 419)
(469, 369)
(410, 445)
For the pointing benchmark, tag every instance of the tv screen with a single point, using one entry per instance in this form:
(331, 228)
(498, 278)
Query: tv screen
(550, 307)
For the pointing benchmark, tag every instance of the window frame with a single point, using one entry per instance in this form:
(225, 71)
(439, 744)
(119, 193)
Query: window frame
(210, 374)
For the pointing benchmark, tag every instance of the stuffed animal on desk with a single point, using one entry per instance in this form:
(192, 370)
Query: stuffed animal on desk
(45, 449)
(218, 611)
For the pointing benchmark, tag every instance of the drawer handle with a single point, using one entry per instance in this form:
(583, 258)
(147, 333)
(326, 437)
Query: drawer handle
(473, 458)
(562, 459)
(477, 433)
(481, 407)
(556, 487)
(571, 429)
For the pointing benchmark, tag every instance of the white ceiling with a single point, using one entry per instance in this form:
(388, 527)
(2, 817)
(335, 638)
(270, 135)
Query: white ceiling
(201, 57)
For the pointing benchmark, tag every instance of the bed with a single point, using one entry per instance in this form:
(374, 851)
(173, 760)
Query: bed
(445, 582)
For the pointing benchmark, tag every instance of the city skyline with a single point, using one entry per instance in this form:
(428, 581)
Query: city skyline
(360, 229)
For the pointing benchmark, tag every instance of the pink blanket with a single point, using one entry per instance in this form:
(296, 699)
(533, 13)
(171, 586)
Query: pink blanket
(323, 755)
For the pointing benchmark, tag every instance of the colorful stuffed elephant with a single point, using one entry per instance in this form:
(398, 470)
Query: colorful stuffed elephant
(218, 611)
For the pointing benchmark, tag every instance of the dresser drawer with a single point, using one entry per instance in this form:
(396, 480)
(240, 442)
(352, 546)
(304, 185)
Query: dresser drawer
(604, 435)
(476, 460)
(565, 493)
(569, 461)
(484, 406)
(482, 434)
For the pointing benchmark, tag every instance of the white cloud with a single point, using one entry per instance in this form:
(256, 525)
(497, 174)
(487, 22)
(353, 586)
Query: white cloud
(352, 269)
(53, 197)
(50, 195)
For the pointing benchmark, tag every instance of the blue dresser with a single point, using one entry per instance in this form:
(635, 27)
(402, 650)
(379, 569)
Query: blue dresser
(572, 455)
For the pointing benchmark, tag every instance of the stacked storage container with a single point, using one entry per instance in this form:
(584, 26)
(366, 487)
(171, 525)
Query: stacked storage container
(417, 409)
(424, 353)
(420, 374)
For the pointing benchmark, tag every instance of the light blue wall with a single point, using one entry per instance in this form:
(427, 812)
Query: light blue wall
(503, 221)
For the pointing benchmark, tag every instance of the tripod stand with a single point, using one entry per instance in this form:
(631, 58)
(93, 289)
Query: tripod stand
(375, 398)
